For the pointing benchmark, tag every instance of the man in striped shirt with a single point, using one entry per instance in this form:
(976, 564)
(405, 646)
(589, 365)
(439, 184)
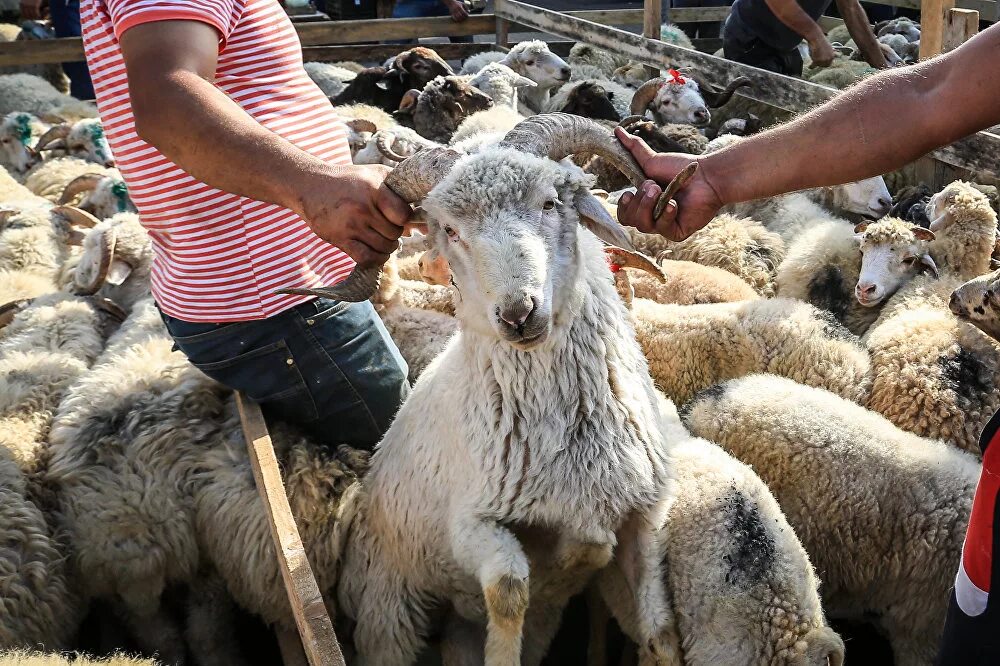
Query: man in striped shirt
(242, 175)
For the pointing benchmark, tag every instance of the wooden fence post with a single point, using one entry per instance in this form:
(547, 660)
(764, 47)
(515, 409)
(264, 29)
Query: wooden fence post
(652, 17)
(315, 628)
(960, 26)
(932, 21)
(503, 32)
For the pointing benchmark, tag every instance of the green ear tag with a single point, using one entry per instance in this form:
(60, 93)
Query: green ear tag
(121, 194)
(23, 126)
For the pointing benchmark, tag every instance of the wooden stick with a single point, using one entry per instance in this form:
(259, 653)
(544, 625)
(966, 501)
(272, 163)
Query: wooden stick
(652, 14)
(932, 17)
(959, 27)
(315, 628)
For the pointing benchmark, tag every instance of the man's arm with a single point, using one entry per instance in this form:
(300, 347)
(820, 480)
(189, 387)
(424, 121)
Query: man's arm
(177, 109)
(861, 32)
(795, 18)
(879, 125)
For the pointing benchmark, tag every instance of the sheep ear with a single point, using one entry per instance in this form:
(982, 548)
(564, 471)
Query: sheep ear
(386, 80)
(524, 82)
(923, 234)
(927, 264)
(860, 229)
(409, 101)
(118, 272)
(598, 220)
(361, 125)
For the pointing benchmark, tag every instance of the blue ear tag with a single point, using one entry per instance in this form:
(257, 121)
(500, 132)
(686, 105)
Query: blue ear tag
(121, 194)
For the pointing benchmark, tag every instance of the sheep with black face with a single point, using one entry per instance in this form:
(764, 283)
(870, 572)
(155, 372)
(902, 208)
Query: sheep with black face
(384, 87)
(438, 109)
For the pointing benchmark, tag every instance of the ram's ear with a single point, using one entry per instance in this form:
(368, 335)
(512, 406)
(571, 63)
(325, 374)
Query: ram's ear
(596, 217)
(923, 234)
(387, 78)
(860, 228)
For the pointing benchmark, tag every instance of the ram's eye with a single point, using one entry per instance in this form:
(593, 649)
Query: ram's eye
(450, 232)
(530, 63)
(549, 205)
(909, 260)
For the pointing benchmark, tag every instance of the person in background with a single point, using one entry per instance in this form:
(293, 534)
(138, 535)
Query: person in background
(701, 29)
(877, 126)
(767, 34)
(423, 8)
(65, 16)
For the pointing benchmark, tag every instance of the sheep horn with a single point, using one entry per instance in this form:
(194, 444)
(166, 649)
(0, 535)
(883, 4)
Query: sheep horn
(89, 279)
(85, 183)
(713, 97)
(6, 214)
(629, 259)
(383, 142)
(108, 306)
(644, 95)
(54, 134)
(76, 216)
(558, 135)
(411, 180)
(628, 121)
(9, 310)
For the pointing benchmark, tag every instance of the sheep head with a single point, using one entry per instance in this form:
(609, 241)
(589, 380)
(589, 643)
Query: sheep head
(682, 98)
(415, 68)
(516, 198)
(116, 259)
(16, 133)
(652, 134)
(103, 195)
(591, 100)
(892, 253)
(84, 139)
(946, 206)
(442, 106)
(869, 197)
(978, 303)
(535, 61)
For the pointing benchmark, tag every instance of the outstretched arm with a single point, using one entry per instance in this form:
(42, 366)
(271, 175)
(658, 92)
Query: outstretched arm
(861, 31)
(170, 66)
(795, 18)
(877, 126)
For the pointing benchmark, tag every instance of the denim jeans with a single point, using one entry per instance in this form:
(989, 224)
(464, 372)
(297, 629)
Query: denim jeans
(65, 15)
(326, 366)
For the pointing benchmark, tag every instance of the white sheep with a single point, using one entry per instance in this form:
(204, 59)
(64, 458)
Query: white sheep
(509, 380)
(19, 132)
(691, 347)
(40, 238)
(535, 61)
(101, 195)
(484, 126)
(50, 178)
(501, 83)
(13, 192)
(331, 79)
(392, 145)
(84, 139)
(605, 62)
(32, 94)
(742, 584)
(681, 97)
(881, 512)
(976, 302)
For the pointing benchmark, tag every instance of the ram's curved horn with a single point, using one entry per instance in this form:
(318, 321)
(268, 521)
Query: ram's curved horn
(559, 135)
(716, 98)
(411, 181)
(631, 259)
(383, 141)
(9, 310)
(85, 183)
(628, 121)
(90, 278)
(77, 217)
(54, 134)
(644, 95)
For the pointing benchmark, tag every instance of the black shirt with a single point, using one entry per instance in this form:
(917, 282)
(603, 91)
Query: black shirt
(755, 18)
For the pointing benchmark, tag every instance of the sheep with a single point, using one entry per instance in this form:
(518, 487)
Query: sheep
(331, 79)
(741, 246)
(50, 178)
(501, 83)
(18, 134)
(672, 34)
(682, 98)
(39, 239)
(881, 512)
(742, 584)
(83, 139)
(480, 125)
(824, 267)
(900, 25)
(535, 61)
(598, 99)
(604, 61)
(976, 302)
(363, 121)
(688, 283)
(632, 75)
(691, 347)
(384, 87)
(441, 107)
(910, 202)
(390, 146)
(38, 659)
(934, 375)
(31, 94)
(471, 560)
(17, 285)
(842, 73)
(476, 62)
(11, 191)
(102, 195)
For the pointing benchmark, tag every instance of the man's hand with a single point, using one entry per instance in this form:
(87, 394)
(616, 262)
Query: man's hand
(31, 10)
(352, 209)
(821, 52)
(457, 10)
(692, 208)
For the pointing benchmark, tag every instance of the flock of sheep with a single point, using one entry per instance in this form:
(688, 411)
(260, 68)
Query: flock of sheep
(720, 442)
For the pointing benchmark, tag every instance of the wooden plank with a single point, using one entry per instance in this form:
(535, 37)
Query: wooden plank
(379, 52)
(696, 14)
(960, 25)
(932, 17)
(40, 51)
(502, 34)
(374, 30)
(652, 11)
(315, 628)
(828, 23)
(980, 152)
(984, 7)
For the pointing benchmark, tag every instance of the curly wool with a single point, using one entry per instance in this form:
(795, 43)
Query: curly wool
(604, 62)
(13, 191)
(688, 283)
(478, 61)
(830, 464)
(377, 116)
(16, 285)
(51, 177)
(966, 232)
(498, 119)
(692, 347)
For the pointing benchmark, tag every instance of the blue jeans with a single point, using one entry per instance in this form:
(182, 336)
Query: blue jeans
(65, 15)
(328, 367)
(421, 9)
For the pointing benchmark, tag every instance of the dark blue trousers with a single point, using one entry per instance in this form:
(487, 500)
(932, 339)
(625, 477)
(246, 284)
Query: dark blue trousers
(326, 366)
(65, 15)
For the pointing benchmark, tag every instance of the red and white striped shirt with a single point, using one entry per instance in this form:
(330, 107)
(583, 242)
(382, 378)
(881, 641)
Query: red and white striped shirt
(220, 257)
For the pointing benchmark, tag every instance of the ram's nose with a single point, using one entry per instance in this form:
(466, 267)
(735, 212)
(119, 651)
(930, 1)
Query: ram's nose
(702, 116)
(516, 312)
